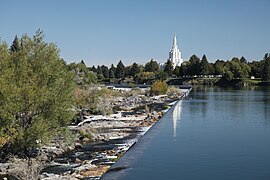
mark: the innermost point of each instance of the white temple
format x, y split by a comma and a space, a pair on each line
175, 54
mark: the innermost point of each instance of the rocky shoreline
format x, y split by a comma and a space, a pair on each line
102, 141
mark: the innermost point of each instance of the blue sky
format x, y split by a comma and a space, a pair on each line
105, 31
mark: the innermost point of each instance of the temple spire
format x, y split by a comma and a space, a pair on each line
175, 54
174, 42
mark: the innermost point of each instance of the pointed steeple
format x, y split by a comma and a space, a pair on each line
175, 54
174, 42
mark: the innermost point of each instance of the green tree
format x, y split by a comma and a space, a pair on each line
168, 68
183, 71
151, 66
135, 69
204, 66
219, 66
111, 73
144, 77
100, 73
36, 93
120, 70
105, 71
257, 68
243, 60
159, 87
239, 69
161, 75
266, 67
93, 68
177, 70
83, 75
15, 45
194, 66
228, 75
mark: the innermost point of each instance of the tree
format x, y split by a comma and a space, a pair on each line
135, 69
151, 66
113, 68
257, 68
204, 66
120, 70
105, 71
100, 73
111, 73
93, 68
144, 77
219, 67
83, 75
168, 68
266, 67
194, 67
159, 87
15, 45
228, 75
243, 60
161, 75
238, 68
36, 94
177, 70
183, 71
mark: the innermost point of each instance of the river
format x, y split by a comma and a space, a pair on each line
219, 133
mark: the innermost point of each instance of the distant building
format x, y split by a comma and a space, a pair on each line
175, 54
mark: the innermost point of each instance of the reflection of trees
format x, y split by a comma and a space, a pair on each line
266, 102
199, 104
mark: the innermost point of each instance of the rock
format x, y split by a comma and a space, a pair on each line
95, 171
77, 160
81, 138
78, 145
86, 140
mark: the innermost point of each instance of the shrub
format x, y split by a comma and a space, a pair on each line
159, 87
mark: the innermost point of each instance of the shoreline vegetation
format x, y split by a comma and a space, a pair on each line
75, 121
100, 139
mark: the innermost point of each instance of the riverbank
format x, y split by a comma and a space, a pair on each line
102, 139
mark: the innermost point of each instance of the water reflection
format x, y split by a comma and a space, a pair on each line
176, 116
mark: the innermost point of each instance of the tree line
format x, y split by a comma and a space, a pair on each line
236, 68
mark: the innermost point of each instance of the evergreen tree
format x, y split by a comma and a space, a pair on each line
183, 70
113, 68
135, 69
176, 71
204, 66
82, 62
257, 68
94, 69
168, 68
266, 67
120, 70
15, 44
243, 60
194, 66
111, 73
105, 71
151, 66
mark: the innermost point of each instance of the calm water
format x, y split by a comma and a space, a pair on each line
217, 134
